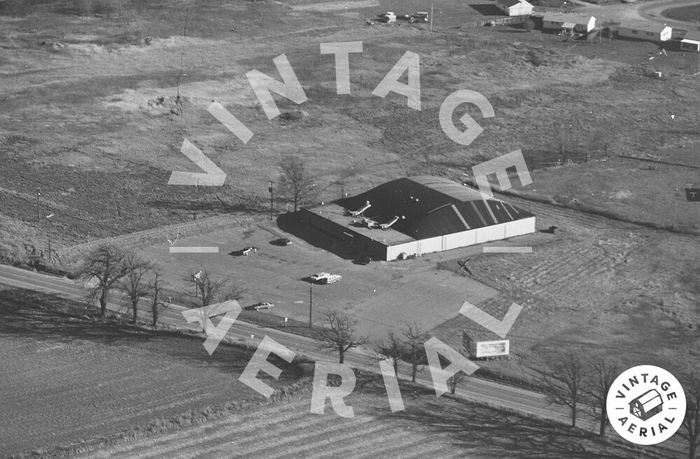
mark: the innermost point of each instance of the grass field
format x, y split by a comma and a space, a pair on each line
67, 380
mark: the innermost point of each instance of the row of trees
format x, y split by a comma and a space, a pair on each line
574, 380
109, 267
568, 379
571, 380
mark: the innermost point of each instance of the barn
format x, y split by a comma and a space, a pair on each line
647, 405
413, 216
515, 7
645, 31
568, 23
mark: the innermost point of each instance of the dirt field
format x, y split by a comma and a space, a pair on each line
438, 428
65, 380
82, 110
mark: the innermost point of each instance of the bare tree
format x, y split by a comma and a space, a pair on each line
106, 265
340, 333
691, 422
454, 381
563, 381
156, 303
393, 348
296, 180
602, 375
134, 283
211, 289
414, 341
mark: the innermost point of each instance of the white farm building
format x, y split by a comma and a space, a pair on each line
515, 7
645, 31
688, 44
568, 23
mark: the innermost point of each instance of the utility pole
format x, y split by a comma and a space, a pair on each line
271, 201
311, 300
48, 232
431, 17
38, 216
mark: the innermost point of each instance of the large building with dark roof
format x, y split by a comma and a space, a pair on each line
417, 215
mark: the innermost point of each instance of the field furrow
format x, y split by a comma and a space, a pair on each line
231, 426
305, 440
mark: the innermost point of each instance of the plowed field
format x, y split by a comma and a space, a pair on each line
66, 379
428, 428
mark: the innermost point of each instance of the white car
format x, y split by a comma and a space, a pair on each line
331, 279
261, 305
325, 278
319, 276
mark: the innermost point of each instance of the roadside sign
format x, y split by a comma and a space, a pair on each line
692, 192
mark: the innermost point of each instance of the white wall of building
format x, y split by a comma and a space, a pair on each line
463, 239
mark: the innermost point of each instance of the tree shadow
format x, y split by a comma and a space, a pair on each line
290, 223
43, 317
470, 426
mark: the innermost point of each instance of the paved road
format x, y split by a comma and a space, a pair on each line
652, 12
474, 389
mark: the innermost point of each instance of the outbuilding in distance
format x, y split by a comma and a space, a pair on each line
413, 216
644, 31
515, 7
689, 44
568, 23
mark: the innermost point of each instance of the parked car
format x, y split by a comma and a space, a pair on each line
363, 260
249, 250
331, 279
319, 277
260, 306
325, 278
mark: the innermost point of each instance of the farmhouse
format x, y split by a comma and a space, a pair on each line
647, 405
645, 31
414, 216
515, 7
568, 23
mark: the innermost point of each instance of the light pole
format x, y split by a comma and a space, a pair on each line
38, 216
311, 300
271, 200
48, 232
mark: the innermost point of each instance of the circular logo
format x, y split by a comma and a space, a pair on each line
646, 405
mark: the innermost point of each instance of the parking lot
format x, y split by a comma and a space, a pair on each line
381, 295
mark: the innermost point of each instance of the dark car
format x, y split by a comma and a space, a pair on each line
260, 306
282, 241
